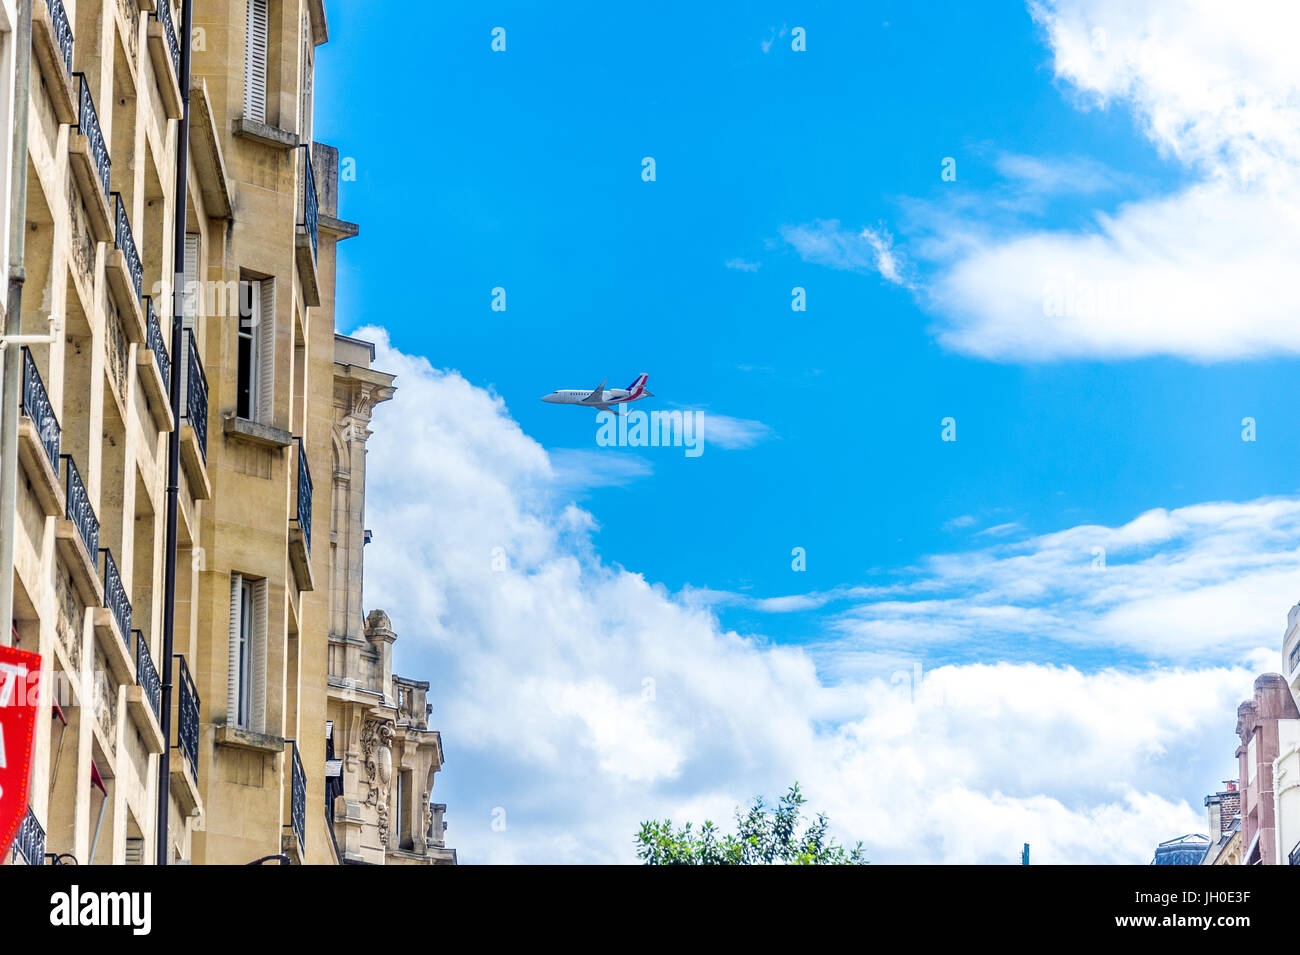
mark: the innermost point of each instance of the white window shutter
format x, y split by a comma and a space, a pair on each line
266, 355
192, 290
255, 63
232, 682
257, 670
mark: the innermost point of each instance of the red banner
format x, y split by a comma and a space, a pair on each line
20, 681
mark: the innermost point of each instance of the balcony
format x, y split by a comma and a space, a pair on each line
38, 439
29, 842
298, 800
144, 700
115, 598
165, 52
113, 622
155, 367
194, 423
1294, 857
91, 165
308, 239
52, 48
300, 533
77, 535
126, 274
185, 771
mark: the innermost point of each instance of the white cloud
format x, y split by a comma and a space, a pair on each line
580, 698
1202, 273
731, 434
1197, 584
578, 469
740, 265
826, 242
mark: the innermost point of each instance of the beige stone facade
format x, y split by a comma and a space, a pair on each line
259, 586
382, 754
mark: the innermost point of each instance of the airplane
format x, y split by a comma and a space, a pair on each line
601, 398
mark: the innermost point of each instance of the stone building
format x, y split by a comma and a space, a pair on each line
1265, 723
259, 440
95, 418
383, 756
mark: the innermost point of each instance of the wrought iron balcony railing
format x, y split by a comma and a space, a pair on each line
187, 716
304, 495
146, 674
157, 344
164, 16
115, 598
36, 405
1294, 857
62, 31
298, 800
78, 508
196, 396
310, 208
125, 241
88, 126
29, 842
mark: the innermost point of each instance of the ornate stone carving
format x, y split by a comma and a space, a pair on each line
377, 748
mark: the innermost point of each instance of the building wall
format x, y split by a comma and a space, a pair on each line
239, 488
1258, 727
105, 390
381, 806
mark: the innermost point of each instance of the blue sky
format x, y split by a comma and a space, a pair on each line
522, 169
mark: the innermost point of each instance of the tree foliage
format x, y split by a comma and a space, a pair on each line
764, 836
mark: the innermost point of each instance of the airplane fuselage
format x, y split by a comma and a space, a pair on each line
600, 398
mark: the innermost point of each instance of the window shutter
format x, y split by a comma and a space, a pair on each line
266, 354
232, 682
255, 43
190, 303
257, 669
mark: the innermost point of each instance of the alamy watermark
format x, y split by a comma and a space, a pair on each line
652, 429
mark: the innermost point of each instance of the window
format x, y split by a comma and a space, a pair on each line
404, 840
1251, 758
255, 391
246, 690
256, 31
192, 290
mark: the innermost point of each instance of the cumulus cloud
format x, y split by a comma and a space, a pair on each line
576, 698
1202, 273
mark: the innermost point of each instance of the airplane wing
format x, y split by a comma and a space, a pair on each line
597, 397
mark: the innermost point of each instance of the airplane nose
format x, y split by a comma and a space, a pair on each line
550, 398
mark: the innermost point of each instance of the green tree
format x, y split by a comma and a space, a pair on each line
764, 836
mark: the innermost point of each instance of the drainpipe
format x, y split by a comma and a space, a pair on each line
10, 374
174, 439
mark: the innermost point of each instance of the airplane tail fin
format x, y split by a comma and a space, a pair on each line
638, 386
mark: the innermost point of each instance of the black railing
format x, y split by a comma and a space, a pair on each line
196, 396
164, 16
187, 713
310, 209
125, 241
115, 598
36, 405
78, 508
146, 674
29, 841
62, 31
88, 126
304, 495
298, 800
1294, 857
157, 345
